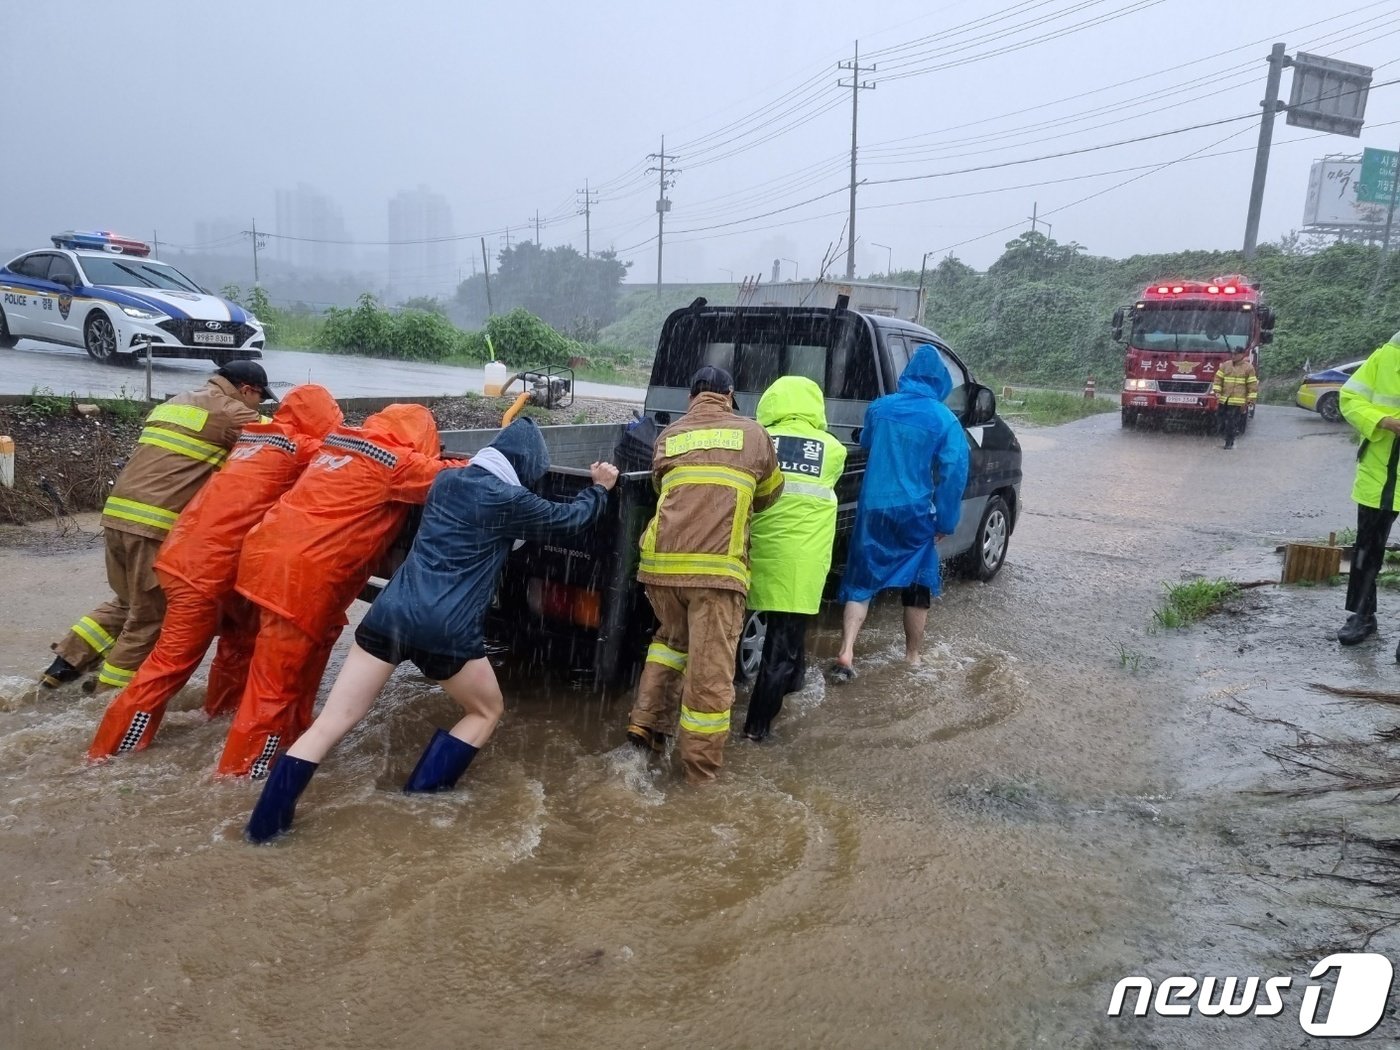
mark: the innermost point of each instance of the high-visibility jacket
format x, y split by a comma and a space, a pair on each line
313, 551
203, 547
791, 542
1370, 395
1236, 384
182, 443
713, 470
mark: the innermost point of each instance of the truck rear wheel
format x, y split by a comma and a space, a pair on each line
750, 653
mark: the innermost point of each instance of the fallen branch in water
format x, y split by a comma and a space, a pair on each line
1357, 694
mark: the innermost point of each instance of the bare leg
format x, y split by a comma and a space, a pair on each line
475, 688
914, 623
852, 619
355, 690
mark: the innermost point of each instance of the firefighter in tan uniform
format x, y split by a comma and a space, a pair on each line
713, 470
1236, 390
181, 445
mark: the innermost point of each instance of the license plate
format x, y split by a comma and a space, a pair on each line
214, 338
1181, 399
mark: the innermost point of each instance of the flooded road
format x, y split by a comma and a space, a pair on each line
63, 370
970, 854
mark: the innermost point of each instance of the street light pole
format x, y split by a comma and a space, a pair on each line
794, 267
889, 256
730, 272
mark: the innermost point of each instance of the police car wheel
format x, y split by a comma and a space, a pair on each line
750, 653
6, 339
100, 338
1329, 408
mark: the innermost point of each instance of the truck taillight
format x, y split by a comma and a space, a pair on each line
1230, 289
559, 601
1163, 290
1214, 289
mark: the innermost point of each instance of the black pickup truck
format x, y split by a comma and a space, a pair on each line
578, 605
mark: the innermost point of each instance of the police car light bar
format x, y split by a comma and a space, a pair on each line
100, 241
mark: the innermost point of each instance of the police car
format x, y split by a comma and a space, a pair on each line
106, 294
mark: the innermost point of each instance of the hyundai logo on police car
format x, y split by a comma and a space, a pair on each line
213, 324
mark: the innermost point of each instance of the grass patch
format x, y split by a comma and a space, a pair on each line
1052, 407
1129, 659
46, 403
1185, 603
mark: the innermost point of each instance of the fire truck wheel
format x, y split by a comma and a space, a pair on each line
1129, 418
1329, 408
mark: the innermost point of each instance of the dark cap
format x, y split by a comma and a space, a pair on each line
247, 373
711, 379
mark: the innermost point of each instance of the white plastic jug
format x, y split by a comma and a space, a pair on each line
496, 375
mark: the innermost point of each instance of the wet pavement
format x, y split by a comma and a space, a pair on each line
970, 854
63, 370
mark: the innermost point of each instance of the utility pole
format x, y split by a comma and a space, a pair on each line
662, 204
254, 234
155, 244
589, 199
486, 269
538, 242
1034, 216
1271, 105
507, 238
856, 88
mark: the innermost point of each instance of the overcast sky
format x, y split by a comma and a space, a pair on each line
157, 114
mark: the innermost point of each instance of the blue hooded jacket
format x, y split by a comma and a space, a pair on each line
437, 601
914, 482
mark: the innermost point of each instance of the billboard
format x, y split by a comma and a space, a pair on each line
1333, 198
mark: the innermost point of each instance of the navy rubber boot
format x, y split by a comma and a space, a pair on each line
442, 763
278, 802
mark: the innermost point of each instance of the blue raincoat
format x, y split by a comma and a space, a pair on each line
913, 485
437, 601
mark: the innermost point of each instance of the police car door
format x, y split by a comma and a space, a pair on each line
61, 319
22, 300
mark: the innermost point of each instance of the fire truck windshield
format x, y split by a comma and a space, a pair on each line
1188, 328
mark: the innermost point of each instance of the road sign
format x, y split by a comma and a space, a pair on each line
1332, 197
1377, 178
1328, 94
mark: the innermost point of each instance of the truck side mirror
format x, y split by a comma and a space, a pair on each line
982, 405
1117, 328
1266, 336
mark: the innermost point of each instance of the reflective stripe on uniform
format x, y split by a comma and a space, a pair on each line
191, 417
806, 488
141, 513
114, 675
1355, 386
693, 440
705, 722
663, 654
707, 475
769, 483
194, 448
92, 632
664, 564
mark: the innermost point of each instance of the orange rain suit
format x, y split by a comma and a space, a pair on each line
310, 557
198, 566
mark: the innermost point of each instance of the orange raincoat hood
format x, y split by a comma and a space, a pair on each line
309, 410
409, 425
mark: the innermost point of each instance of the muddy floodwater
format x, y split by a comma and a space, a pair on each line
970, 854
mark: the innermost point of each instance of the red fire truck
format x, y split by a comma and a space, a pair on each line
1179, 333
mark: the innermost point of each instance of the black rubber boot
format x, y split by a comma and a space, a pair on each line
60, 672
442, 763
278, 802
1357, 629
